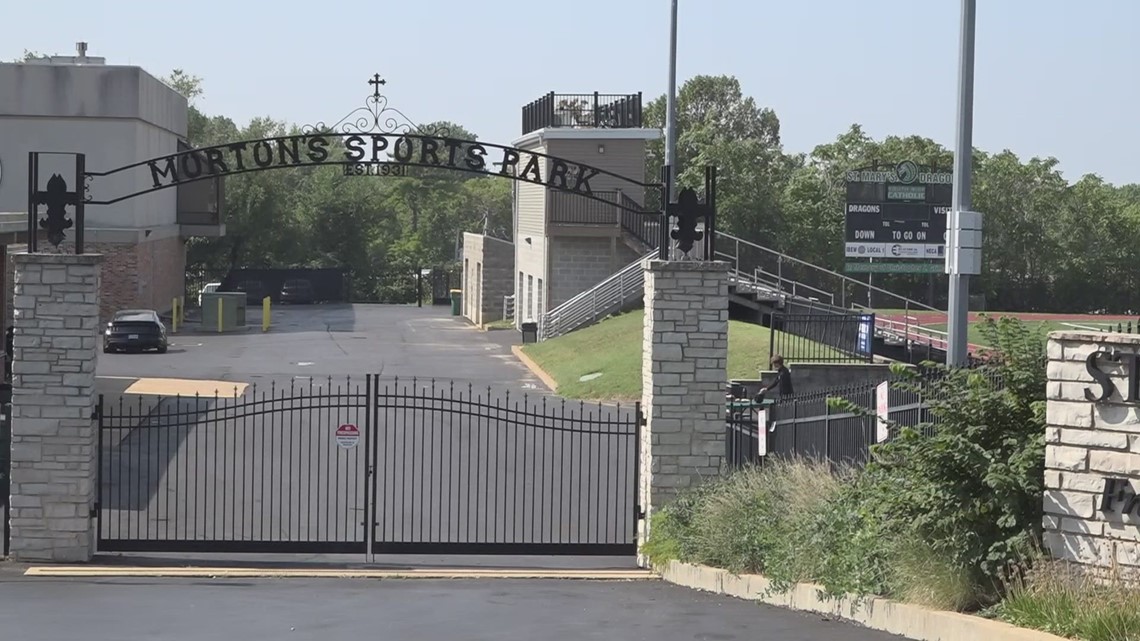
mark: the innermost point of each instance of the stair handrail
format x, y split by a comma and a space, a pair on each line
722, 236
607, 296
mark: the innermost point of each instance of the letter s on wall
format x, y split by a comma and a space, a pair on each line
1106, 385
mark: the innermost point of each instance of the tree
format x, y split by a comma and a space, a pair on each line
718, 125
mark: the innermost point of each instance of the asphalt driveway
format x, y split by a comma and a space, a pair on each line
400, 610
314, 342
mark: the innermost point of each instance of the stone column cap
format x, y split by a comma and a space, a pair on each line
1096, 337
58, 259
656, 264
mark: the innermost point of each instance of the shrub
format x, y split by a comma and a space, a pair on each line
969, 486
1061, 600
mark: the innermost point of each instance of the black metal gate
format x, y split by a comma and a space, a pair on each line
433, 467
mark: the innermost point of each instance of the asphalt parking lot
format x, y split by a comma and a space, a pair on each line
311, 343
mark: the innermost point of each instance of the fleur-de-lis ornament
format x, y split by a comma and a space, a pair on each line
688, 210
56, 197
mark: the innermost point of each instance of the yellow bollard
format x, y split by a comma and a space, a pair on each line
174, 317
219, 315
265, 314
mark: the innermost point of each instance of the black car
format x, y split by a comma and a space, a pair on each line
297, 291
254, 291
135, 329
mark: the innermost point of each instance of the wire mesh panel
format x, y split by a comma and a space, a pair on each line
462, 470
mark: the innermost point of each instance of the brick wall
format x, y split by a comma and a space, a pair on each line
1092, 447
684, 369
53, 433
148, 275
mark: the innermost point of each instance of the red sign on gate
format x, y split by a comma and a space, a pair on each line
347, 436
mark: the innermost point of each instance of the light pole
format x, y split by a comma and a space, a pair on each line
963, 226
671, 115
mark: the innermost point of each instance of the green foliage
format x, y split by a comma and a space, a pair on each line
942, 515
1067, 602
384, 230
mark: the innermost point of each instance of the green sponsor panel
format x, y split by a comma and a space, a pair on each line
894, 268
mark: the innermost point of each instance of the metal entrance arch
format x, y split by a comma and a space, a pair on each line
372, 140
368, 466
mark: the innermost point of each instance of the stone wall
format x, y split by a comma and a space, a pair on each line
1092, 455
684, 365
53, 429
488, 266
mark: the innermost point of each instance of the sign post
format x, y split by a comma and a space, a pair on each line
963, 227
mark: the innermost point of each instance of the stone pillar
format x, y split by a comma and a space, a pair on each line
684, 371
1092, 450
53, 432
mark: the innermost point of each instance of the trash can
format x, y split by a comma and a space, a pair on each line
529, 332
456, 301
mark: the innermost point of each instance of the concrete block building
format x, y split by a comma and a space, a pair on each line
563, 243
115, 115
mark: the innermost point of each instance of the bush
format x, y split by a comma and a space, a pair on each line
745, 520
940, 516
1061, 600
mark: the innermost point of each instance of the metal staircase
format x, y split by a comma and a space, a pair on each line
758, 276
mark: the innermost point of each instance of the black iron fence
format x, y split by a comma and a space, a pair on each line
574, 210
807, 426
367, 465
615, 111
823, 338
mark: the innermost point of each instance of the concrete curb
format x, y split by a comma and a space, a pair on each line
534, 368
911, 621
82, 571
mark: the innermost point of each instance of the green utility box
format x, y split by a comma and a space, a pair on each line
223, 311
456, 301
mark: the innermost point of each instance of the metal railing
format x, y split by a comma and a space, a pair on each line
907, 319
806, 426
509, 307
612, 111
614, 294
823, 338
572, 209
645, 228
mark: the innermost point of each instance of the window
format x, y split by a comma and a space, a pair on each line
530, 298
540, 297
519, 301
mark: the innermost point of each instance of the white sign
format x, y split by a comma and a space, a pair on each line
893, 250
762, 432
882, 411
347, 436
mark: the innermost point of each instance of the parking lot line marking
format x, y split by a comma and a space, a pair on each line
186, 387
318, 573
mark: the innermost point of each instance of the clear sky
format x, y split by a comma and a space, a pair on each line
1054, 77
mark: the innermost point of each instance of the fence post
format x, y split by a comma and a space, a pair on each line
826, 430
594, 305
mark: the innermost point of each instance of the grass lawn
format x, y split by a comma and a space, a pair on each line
613, 349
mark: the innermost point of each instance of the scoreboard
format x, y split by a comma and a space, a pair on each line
897, 212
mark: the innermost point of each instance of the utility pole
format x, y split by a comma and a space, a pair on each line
963, 226
671, 116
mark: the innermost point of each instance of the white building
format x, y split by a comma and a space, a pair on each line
117, 116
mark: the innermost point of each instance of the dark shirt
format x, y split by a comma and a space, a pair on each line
783, 381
